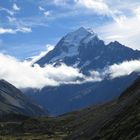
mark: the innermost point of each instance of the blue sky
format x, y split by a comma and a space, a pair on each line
27, 26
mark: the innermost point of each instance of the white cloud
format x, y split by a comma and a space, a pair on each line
47, 13
118, 70
14, 31
123, 69
98, 6
114, 37
102, 7
7, 11
124, 25
15, 7
7, 31
137, 12
23, 75
126, 31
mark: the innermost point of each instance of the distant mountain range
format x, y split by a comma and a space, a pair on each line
84, 50
12, 100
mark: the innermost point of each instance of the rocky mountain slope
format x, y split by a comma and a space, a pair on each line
12, 100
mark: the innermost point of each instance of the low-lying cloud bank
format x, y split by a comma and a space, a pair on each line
24, 75
123, 69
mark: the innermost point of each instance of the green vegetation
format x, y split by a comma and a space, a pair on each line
32, 129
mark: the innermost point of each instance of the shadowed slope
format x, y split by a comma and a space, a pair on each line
12, 100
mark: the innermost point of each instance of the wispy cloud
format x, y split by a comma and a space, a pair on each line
98, 6
14, 31
10, 12
24, 29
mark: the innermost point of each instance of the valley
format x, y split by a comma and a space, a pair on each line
112, 120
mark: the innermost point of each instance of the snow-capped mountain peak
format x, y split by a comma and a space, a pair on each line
77, 36
83, 49
69, 45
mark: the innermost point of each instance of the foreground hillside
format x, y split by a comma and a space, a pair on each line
115, 120
12, 100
